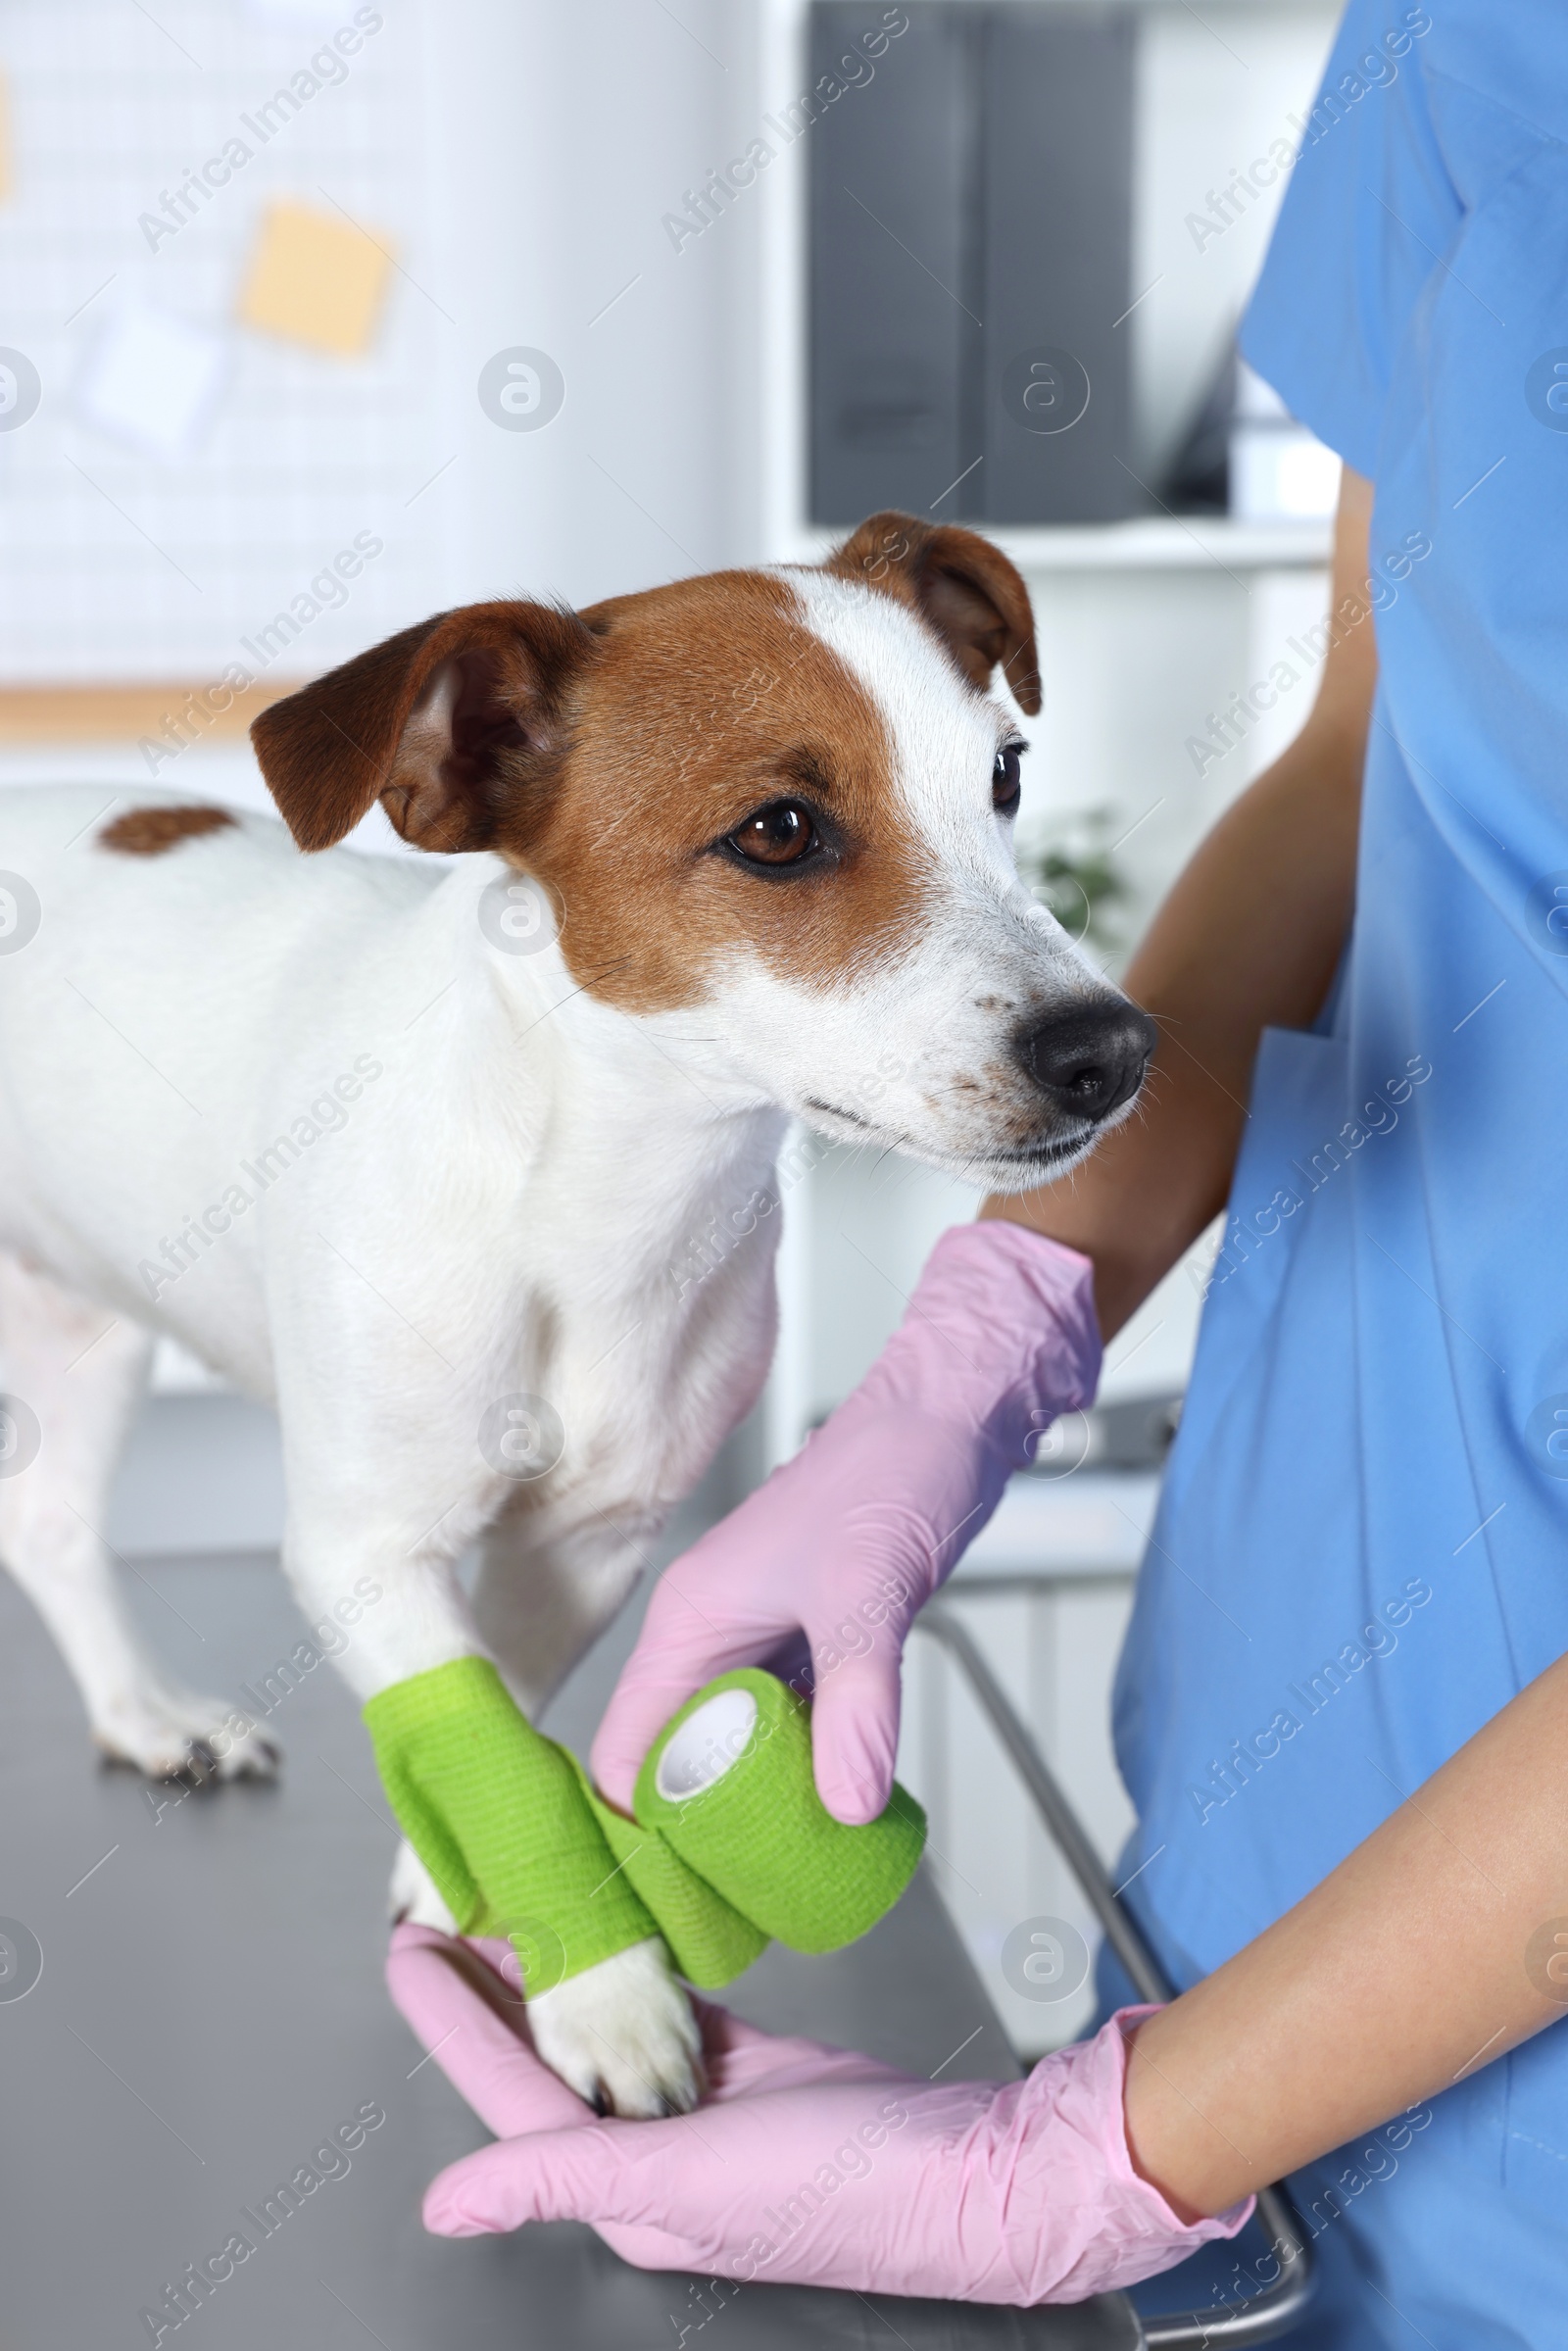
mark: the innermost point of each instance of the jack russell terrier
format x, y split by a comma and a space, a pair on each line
408, 1148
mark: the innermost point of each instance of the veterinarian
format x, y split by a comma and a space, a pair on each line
1342, 1707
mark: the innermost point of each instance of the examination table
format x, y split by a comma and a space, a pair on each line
209, 2014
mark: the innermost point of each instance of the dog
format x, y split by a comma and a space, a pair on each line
418, 1150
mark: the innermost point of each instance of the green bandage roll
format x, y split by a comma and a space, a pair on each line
731, 1845
728, 1786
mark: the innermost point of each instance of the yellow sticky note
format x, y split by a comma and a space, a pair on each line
316, 279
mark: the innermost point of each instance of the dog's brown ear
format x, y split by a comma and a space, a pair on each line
960, 585
446, 724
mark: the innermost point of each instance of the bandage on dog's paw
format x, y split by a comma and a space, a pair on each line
731, 1845
499, 1816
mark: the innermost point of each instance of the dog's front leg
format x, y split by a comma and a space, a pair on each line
623, 2031
378, 1560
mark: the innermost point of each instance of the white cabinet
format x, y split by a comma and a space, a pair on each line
1045, 1593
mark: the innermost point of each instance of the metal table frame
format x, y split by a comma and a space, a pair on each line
1277, 2307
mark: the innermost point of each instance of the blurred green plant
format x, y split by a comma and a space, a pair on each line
1074, 874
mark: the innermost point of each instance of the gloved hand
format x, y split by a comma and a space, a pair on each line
844, 1543
806, 2164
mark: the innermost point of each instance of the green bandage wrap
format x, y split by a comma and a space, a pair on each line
732, 1845
709, 1941
498, 1816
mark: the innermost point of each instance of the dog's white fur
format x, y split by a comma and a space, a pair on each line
497, 1213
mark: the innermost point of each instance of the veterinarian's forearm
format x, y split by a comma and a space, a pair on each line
1247, 939
1421, 1957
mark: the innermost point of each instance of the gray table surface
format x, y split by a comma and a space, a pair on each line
210, 2008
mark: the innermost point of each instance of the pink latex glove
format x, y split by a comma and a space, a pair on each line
804, 2164
846, 1543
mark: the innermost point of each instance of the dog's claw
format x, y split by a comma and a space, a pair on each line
198, 1770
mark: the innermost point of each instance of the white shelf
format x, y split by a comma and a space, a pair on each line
1161, 543
1151, 543
1096, 1523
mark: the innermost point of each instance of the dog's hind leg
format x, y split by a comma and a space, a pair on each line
74, 1377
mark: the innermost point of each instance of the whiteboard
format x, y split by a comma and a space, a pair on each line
121, 561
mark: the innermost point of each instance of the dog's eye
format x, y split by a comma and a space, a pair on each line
1006, 784
781, 834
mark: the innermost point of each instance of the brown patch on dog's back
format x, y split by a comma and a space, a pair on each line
148, 832
709, 699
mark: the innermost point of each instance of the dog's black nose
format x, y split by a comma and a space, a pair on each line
1088, 1062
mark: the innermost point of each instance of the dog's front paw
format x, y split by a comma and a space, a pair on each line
170, 1736
623, 2035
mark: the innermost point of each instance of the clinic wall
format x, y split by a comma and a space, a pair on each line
560, 138
1215, 90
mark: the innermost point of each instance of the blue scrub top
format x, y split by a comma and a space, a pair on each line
1361, 1552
